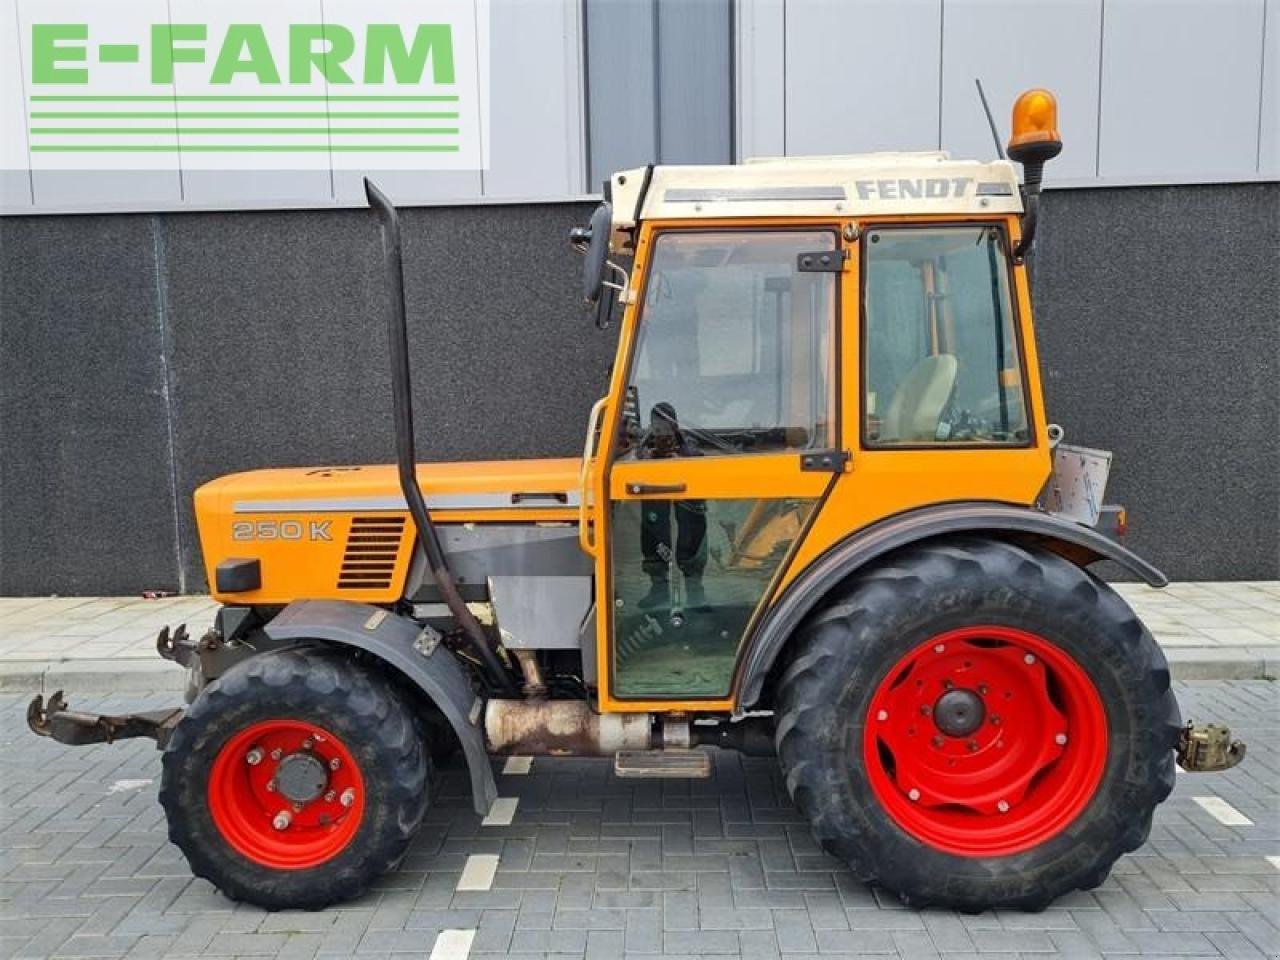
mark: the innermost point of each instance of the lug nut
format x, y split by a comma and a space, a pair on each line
937, 741
924, 710
913, 793
995, 719
939, 648
282, 820
297, 808
973, 746
271, 786
308, 743
1003, 806
1060, 739
1029, 659
882, 716
276, 754
348, 797
328, 797
335, 763
982, 689
254, 756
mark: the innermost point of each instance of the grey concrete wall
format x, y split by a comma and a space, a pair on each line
142, 355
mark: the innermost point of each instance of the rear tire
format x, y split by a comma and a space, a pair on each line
977, 815
311, 734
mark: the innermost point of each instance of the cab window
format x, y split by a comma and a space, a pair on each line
734, 348
941, 353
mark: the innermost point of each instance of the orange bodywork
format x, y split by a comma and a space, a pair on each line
875, 483
263, 502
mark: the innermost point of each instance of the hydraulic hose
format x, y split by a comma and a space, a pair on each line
406, 457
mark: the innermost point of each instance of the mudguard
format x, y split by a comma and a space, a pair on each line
1080, 544
391, 638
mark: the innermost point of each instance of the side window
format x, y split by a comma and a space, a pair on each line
941, 358
734, 349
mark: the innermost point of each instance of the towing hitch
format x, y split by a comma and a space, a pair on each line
53, 719
1207, 748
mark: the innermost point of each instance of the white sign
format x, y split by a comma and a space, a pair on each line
234, 84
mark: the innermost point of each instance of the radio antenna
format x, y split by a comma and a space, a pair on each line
986, 108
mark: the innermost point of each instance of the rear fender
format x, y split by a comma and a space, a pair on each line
1080, 544
391, 638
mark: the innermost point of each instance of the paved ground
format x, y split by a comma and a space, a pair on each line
594, 867
107, 644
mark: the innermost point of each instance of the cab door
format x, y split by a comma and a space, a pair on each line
721, 438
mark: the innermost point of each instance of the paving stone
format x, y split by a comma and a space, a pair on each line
597, 867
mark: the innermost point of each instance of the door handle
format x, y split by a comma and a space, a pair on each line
639, 489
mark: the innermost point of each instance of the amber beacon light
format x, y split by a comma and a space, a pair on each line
1035, 128
1034, 141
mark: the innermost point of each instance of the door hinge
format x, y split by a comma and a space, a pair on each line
821, 261
824, 461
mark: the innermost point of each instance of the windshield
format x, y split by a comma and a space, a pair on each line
733, 354
941, 359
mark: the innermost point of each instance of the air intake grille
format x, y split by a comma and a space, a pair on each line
370, 558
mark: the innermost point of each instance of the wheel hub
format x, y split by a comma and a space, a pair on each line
286, 794
959, 712
985, 740
301, 777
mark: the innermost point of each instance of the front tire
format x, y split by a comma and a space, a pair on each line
976, 724
295, 779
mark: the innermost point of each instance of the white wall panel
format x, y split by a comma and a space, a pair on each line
1013, 45
761, 75
862, 75
536, 119
1269, 113
15, 178
140, 178
230, 178
1180, 86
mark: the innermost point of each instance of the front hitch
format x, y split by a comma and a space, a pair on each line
1207, 748
53, 719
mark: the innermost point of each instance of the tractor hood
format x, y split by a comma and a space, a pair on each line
344, 531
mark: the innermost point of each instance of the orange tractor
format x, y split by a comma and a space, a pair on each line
820, 512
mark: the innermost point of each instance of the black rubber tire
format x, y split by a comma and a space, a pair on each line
843, 652
359, 706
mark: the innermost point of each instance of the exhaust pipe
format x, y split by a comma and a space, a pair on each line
406, 458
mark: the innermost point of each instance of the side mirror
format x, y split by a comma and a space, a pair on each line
593, 242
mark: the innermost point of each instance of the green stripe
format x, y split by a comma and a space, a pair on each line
247, 131
118, 53
236, 115
169, 98
245, 148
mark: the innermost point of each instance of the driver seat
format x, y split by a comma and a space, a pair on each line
917, 405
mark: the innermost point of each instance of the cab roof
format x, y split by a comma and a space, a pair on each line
871, 184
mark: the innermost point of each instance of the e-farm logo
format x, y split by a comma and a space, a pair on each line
358, 84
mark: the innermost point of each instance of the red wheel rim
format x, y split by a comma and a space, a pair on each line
1012, 755
286, 794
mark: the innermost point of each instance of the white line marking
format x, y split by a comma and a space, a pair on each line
478, 872
121, 785
517, 766
501, 813
1274, 861
1223, 812
453, 945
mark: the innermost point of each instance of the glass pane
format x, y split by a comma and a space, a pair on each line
687, 576
942, 360
733, 354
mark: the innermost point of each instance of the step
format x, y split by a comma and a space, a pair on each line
662, 764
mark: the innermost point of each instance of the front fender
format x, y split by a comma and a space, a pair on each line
390, 638
1080, 544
